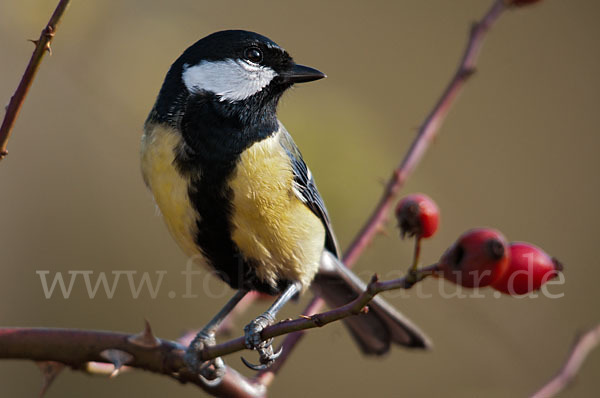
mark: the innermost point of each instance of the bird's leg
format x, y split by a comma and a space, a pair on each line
253, 330
213, 370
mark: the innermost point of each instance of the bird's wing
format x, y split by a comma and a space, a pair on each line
306, 190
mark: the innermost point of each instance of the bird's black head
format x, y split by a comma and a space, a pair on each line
239, 73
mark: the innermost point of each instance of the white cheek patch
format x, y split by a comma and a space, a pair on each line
231, 80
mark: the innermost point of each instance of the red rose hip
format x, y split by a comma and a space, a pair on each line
478, 258
417, 215
529, 268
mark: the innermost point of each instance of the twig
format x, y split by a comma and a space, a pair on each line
424, 137
581, 349
77, 348
318, 320
42, 45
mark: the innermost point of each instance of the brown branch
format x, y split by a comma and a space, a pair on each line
355, 307
425, 136
579, 352
77, 348
42, 45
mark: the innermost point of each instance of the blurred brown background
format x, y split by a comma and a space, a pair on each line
518, 152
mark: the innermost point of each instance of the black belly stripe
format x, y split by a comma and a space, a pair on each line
212, 202
213, 144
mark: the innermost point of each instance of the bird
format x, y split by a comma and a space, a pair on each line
234, 190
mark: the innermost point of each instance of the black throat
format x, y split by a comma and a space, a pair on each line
215, 132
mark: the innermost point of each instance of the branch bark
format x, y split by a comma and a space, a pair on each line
77, 348
425, 136
42, 45
581, 349
355, 307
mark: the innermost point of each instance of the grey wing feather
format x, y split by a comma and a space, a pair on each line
383, 324
306, 189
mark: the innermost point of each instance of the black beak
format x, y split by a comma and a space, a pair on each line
302, 74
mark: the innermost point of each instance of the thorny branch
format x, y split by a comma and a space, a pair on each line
580, 350
77, 348
42, 45
355, 307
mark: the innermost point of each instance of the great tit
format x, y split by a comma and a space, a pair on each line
234, 190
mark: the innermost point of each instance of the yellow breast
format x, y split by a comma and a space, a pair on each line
169, 187
271, 225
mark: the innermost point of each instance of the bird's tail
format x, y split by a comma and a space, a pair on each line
376, 330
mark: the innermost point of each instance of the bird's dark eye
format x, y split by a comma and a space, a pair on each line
253, 54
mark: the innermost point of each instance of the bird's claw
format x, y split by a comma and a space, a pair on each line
253, 341
252, 331
212, 371
267, 357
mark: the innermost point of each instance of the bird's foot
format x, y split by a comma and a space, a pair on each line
213, 370
254, 341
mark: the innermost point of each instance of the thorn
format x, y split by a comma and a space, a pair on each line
49, 31
99, 368
46, 46
474, 27
381, 229
467, 72
118, 358
145, 338
50, 370
304, 316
